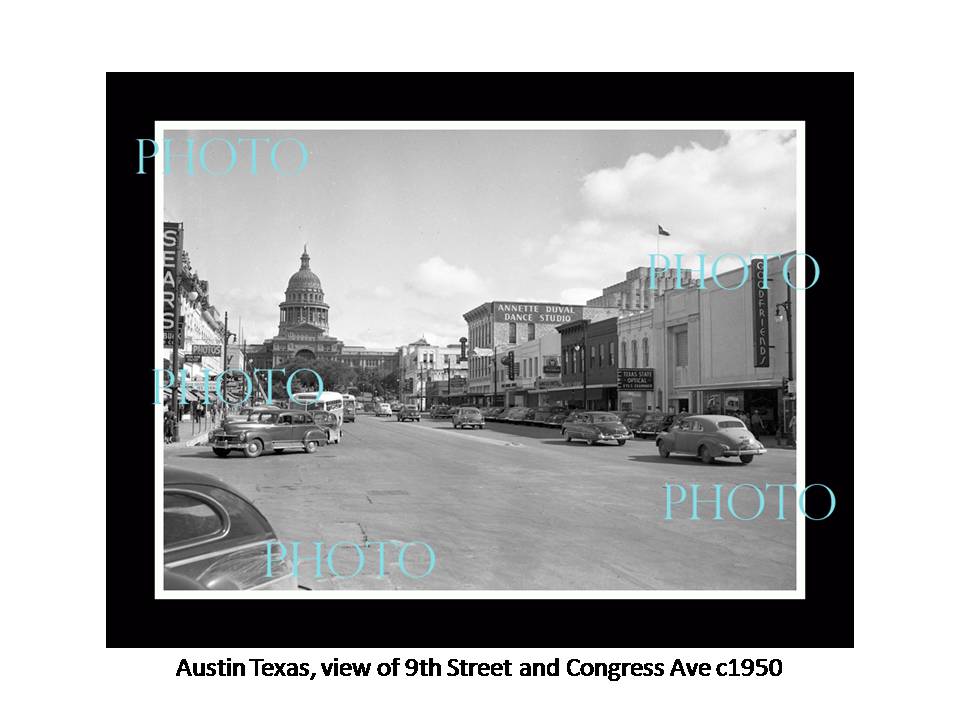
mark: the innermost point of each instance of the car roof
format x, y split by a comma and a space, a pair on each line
711, 418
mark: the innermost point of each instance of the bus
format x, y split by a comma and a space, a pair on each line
349, 408
329, 401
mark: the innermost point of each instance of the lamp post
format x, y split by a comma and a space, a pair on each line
785, 309
226, 338
582, 350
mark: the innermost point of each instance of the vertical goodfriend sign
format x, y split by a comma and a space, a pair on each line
761, 315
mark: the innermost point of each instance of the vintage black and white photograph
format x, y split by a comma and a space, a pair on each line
468, 359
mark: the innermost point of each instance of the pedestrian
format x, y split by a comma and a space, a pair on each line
756, 423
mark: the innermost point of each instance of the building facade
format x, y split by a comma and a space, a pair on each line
494, 328
536, 369
431, 374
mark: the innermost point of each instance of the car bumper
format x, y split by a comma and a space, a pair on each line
622, 436
746, 451
227, 444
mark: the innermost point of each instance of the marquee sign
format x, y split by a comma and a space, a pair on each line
635, 378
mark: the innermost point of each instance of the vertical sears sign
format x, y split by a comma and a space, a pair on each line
761, 315
172, 251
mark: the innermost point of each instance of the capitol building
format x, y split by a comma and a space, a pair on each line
303, 333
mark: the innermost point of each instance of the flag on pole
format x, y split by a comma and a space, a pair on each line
661, 231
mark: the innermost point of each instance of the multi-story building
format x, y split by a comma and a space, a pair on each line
536, 369
637, 291
588, 365
493, 328
431, 373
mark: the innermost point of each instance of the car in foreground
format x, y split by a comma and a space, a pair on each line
409, 412
594, 427
268, 430
384, 409
710, 437
215, 539
467, 417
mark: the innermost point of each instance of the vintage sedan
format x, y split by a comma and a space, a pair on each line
632, 420
329, 422
594, 427
467, 417
709, 437
215, 539
409, 412
268, 430
654, 423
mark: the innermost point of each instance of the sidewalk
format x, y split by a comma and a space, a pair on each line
193, 433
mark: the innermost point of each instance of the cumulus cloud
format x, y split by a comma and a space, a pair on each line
737, 198
438, 278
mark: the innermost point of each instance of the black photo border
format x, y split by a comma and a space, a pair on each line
134, 101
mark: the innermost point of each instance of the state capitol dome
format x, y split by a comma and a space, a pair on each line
305, 278
303, 300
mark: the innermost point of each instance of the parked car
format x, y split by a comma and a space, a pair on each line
467, 417
369, 407
275, 430
528, 416
541, 416
384, 409
440, 411
655, 422
594, 427
556, 420
709, 437
514, 414
493, 412
632, 420
409, 412
395, 407
215, 539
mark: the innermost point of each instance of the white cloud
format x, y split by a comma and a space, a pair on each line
737, 198
382, 292
438, 278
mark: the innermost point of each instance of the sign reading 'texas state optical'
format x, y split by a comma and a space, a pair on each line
504, 311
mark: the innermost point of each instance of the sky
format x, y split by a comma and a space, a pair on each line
408, 230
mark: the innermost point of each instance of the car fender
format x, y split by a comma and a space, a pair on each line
319, 435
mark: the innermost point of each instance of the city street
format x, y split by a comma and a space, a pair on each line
515, 508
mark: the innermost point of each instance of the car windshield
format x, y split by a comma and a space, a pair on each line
470, 411
603, 417
731, 424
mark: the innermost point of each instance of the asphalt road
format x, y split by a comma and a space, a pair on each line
514, 508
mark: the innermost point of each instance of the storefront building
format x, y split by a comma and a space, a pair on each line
717, 350
494, 328
431, 374
536, 368
588, 366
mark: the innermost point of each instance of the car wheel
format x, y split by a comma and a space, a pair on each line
664, 453
253, 449
311, 446
221, 452
591, 442
621, 442
279, 450
566, 437
705, 457
746, 459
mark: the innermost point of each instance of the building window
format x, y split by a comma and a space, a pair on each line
623, 353
593, 349
565, 351
536, 366
633, 351
681, 347
531, 331
646, 352
513, 333
600, 364
613, 353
